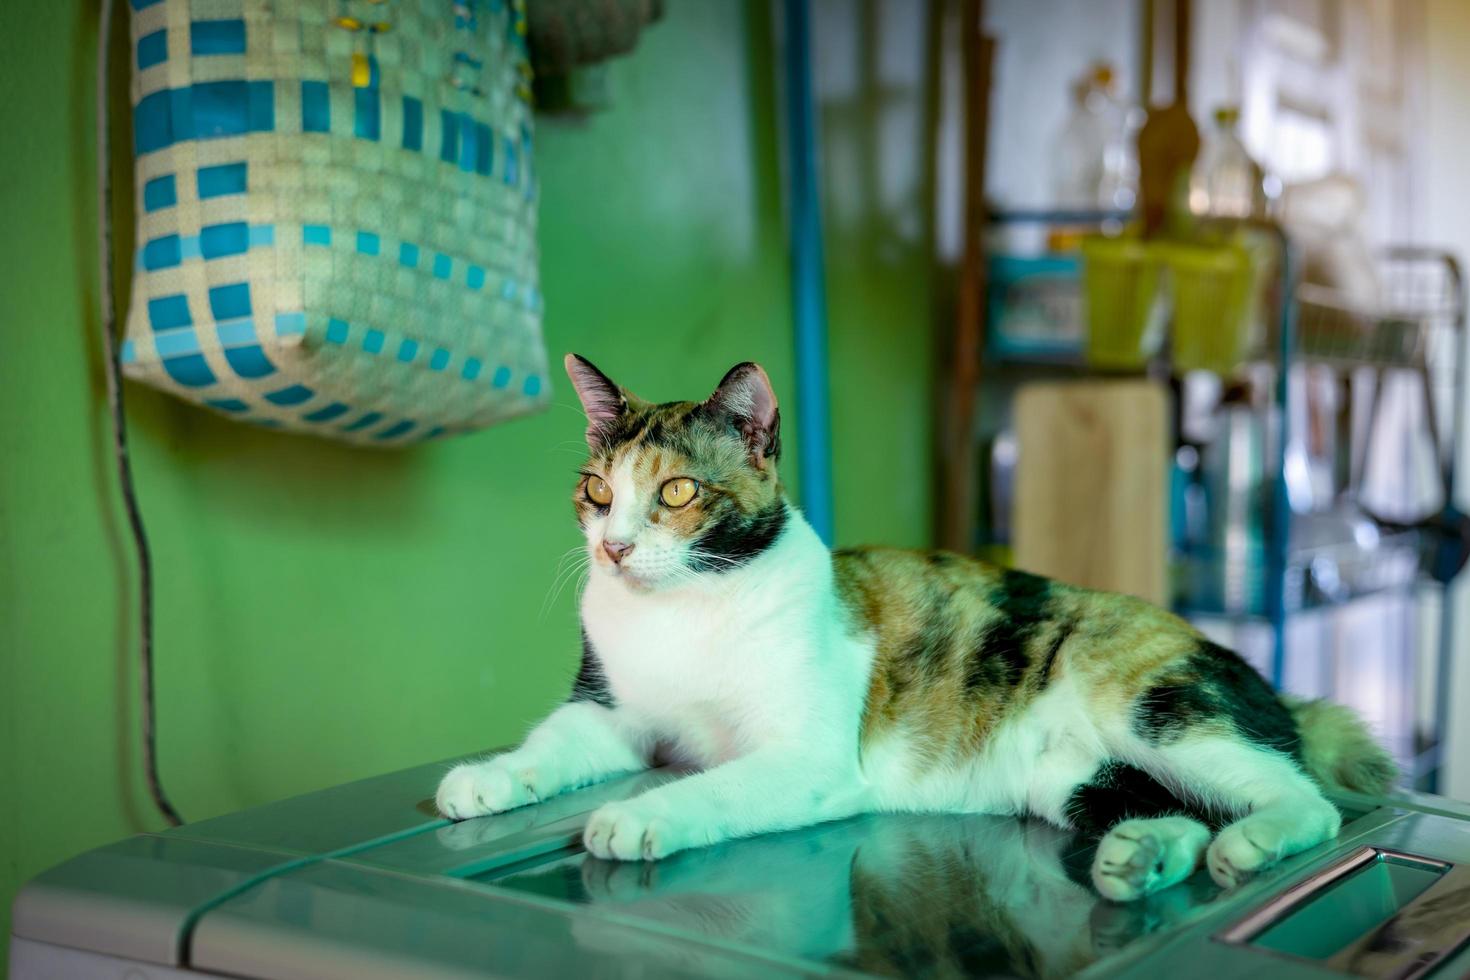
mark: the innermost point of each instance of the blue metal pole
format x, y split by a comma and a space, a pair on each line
808, 287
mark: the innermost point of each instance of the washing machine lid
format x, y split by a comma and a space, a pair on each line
515, 895
139, 898
134, 898
364, 880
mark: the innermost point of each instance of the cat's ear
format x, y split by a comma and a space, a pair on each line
603, 401
745, 398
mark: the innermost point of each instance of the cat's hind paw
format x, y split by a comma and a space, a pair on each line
1234, 857
1126, 865
1261, 839
1140, 857
475, 789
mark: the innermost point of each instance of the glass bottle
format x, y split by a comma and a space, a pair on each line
1226, 182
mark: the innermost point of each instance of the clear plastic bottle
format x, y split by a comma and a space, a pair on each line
1077, 153
1119, 122
1094, 160
1094, 157
1226, 182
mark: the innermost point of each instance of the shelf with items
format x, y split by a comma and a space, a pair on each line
1112, 302
1037, 301
1223, 304
1224, 583
1293, 549
1405, 316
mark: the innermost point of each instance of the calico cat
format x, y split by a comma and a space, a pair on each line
810, 685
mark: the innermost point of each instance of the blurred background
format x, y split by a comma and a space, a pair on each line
1148, 298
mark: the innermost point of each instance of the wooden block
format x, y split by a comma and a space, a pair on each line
1092, 481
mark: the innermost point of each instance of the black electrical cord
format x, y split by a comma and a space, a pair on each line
113, 372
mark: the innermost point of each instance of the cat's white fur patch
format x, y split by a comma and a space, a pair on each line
1031, 764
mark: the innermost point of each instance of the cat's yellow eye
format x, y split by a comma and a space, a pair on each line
678, 492
598, 491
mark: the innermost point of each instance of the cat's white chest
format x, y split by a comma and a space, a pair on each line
716, 672
686, 669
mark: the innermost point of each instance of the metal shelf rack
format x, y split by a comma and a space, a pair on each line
1417, 326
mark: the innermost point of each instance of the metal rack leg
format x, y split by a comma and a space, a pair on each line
1444, 674
1279, 540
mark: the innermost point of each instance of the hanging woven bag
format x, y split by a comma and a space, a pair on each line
336, 214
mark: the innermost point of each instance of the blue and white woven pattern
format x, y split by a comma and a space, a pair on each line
336, 214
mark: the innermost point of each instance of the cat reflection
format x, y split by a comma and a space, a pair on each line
929, 896
1417, 935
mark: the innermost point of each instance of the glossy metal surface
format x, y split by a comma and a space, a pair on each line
474, 847
1407, 939
331, 819
899, 895
364, 880
138, 898
1443, 910
132, 898
880, 895
339, 920
1416, 940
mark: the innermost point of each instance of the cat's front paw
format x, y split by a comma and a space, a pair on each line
475, 789
628, 832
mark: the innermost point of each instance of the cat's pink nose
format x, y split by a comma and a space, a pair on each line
616, 550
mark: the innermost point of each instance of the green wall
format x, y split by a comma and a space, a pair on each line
326, 613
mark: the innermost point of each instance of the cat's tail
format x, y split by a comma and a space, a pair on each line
1338, 750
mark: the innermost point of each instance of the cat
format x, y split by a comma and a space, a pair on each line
809, 685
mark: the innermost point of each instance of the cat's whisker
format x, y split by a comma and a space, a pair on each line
707, 584
574, 446
708, 556
574, 568
569, 555
686, 575
574, 409
573, 561
575, 572
570, 552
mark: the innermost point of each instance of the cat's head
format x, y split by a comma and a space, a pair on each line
674, 493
